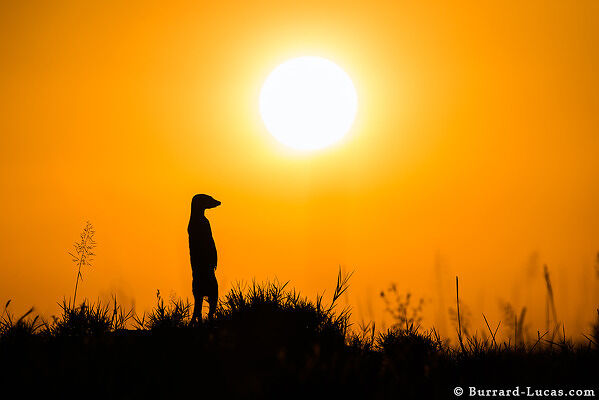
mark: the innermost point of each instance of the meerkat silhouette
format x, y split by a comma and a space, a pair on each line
202, 254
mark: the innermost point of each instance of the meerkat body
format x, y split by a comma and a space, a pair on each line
202, 255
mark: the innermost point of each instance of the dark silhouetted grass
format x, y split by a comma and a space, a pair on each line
269, 341
89, 319
176, 314
12, 328
82, 254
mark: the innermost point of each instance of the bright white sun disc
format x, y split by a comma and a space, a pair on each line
308, 103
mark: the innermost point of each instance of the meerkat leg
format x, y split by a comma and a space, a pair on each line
213, 301
197, 310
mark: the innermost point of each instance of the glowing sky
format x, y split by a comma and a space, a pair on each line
475, 147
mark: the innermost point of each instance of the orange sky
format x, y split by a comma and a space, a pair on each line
475, 146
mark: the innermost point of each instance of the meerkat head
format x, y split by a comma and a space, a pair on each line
203, 201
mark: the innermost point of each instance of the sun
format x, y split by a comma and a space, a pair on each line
308, 103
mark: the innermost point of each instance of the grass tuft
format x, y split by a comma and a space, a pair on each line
175, 314
89, 319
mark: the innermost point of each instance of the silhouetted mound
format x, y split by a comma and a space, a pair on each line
266, 341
